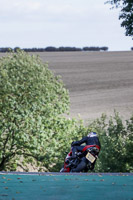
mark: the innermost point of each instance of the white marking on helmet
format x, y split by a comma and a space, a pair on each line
92, 134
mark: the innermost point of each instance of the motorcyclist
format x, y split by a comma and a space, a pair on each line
90, 139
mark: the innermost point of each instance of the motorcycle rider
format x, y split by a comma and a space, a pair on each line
90, 139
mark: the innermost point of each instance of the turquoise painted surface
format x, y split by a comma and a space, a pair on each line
66, 186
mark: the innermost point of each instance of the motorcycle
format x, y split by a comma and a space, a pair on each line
89, 155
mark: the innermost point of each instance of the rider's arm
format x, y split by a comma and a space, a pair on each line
83, 140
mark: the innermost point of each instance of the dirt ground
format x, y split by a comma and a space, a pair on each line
98, 82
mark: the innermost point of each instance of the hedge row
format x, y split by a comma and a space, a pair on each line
53, 49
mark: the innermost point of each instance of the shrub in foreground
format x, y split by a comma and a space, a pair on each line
31, 99
116, 138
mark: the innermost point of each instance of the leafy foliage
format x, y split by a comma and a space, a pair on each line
116, 139
126, 14
31, 98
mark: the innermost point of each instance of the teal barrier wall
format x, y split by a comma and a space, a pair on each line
57, 186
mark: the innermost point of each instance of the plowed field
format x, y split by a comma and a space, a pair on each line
98, 82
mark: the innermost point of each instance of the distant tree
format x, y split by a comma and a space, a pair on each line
91, 49
53, 49
33, 49
69, 49
50, 49
5, 49
126, 14
95, 48
104, 48
16, 49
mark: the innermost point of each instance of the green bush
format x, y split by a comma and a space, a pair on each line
116, 138
31, 101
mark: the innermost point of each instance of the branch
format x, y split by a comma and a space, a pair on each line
19, 165
30, 155
6, 159
4, 145
37, 157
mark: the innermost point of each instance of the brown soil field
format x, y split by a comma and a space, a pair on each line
98, 82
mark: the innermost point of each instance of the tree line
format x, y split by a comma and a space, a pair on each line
53, 49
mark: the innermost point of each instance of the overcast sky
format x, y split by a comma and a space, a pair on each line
78, 23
